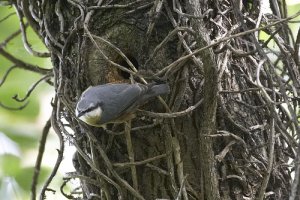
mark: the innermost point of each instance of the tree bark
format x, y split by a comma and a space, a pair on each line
234, 144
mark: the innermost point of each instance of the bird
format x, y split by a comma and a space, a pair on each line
115, 102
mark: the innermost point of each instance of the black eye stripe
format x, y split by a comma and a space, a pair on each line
92, 108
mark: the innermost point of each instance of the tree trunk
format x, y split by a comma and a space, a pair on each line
234, 145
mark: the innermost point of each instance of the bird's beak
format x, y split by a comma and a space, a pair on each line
78, 114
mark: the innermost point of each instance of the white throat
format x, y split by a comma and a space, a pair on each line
93, 117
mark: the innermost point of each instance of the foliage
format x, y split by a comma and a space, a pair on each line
19, 129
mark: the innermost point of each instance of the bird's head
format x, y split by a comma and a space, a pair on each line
89, 111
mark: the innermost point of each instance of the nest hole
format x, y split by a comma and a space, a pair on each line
124, 74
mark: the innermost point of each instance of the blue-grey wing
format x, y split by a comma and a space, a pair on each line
120, 99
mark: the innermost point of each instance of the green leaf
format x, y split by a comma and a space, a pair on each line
24, 177
22, 136
10, 164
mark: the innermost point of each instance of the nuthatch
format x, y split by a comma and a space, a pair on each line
115, 103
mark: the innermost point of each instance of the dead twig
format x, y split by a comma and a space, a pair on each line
24, 37
14, 108
183, 58
220, 157
264, 184
31, 89
39, 159
128, 5
171, 115
223, 133
21, 64
54, 123
130, 152
6, 74
6, 17
143, 162
10, 37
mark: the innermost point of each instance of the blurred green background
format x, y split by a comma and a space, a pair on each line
20, 131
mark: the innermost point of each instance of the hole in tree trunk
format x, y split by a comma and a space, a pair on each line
124, 74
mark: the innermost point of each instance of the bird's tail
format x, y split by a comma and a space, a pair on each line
153, 90
160, 89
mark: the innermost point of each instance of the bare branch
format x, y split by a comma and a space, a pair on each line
31, 89
24, 37
220, 157
264, 184
54, 122
115, 5
296, 181
106, 58
6, 17
140, 162
184, 58
171, 115
89, 161
21, 64
6, 74
14, 108
130, 152
223, 133
39, 159
11, 36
